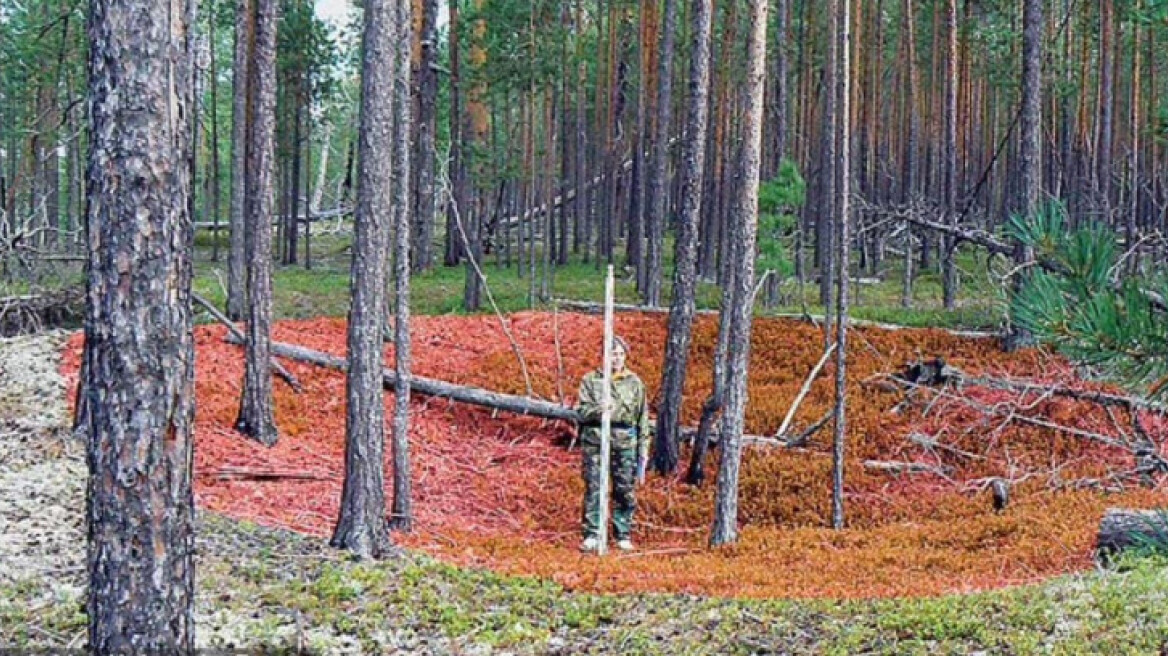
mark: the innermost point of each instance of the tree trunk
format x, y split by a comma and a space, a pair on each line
361, 526
1030, 148
658, 172
1133, 210
255, 407
139, 347
949, 155
403, 516
426, 81
840, 11
910, 157
685, 250
824, 226
298, 105
725, 529
456, 202
241, 120
213, 201
1105, 124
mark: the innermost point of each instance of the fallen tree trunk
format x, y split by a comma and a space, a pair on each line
520, 405
1123, 529
430, 387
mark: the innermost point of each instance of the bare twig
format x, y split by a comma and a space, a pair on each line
448, 191
803, 391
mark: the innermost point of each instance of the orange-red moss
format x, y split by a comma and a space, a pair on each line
504, 492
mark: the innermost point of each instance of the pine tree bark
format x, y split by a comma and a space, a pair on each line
361, 526
1105, 128
910, 157
426, 80
681, 310
403, 516
213, 179
1030, 148
725, 529
949, 155
841, 13
241, 118
455, 206
658, 186
139, 355
255, 406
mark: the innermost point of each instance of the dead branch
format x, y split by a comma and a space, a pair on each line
897, 467
782, 432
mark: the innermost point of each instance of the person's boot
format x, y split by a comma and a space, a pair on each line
625, 544
590, 543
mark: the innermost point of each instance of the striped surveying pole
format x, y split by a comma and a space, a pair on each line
606, 415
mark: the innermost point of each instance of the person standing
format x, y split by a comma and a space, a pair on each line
630, 447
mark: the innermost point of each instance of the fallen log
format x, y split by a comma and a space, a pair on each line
895, 467
1122, 529
283, 373
430, 387
520, 405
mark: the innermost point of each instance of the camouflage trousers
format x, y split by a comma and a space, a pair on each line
623, 472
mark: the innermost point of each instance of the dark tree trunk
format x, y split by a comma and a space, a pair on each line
361, 526
949, 155
241, 119
824, 226
293, 230
403, 516
1105, 127
658, 182
685, 266
1030, 149
456, 205
725, 529
139, 347
423, 172
213, 201
255, 406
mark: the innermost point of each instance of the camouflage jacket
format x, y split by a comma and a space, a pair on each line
630, 416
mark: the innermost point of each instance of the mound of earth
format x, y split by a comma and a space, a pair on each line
503, 492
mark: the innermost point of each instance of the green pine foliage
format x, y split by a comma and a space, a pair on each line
779, 200
1093, 312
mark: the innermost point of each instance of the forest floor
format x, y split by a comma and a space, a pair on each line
270, 587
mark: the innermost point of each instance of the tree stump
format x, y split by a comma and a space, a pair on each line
1123, 529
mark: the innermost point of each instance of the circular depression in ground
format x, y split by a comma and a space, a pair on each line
503, 492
